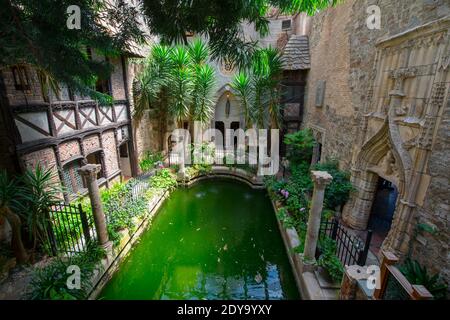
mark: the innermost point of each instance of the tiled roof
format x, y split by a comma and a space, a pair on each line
296, 53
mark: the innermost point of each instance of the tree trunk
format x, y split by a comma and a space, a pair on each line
16, 238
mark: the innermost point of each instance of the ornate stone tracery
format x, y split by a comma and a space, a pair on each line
409, 90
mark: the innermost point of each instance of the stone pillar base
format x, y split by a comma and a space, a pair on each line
307, 265
108, 247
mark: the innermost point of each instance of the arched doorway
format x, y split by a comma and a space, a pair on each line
382, 212
228, 114
382, 164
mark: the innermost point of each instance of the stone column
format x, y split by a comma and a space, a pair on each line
321, 179
89, 172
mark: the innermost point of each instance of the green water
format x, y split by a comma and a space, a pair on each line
216, 240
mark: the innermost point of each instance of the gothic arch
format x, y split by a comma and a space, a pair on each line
387, 159
379, 157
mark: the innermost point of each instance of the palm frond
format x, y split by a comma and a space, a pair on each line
204, 84
198, 51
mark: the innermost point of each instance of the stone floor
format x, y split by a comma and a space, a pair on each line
15, 286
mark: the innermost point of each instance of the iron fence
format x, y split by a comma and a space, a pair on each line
350, 249
70, 230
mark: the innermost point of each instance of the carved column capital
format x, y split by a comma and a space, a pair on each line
90, 171
321, 179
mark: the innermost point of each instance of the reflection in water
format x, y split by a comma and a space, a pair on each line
218, 246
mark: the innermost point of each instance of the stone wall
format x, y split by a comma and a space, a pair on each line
432, 249
344, 54
330, 49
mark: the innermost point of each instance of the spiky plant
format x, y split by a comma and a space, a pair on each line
44, 191
417, 274
181, 86
178, 82
242, 87
259, 88
151, 88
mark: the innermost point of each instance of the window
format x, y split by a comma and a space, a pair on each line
103, 86
123, 150
286, 25
21, 80
72, 178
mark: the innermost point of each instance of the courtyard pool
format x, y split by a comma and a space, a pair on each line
216, 240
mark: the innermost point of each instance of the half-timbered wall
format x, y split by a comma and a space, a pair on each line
65, 130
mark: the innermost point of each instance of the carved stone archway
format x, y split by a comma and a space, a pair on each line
381, 157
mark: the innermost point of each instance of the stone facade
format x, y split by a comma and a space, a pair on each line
385, 114
57, 130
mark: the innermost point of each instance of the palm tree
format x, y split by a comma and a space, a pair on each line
203, 96
181, 85
241, 85
151, 88
202, 106
258, 88
10, 193
177, 82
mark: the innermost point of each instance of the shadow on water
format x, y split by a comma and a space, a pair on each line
216, 240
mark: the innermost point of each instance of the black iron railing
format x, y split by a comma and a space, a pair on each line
350, 249
70, 229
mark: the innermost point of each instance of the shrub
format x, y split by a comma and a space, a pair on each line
329, 261
164, 180
50, 282
150, 160
121, 206
338, 191
300, 146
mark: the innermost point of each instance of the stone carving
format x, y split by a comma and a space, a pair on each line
438, 94
226, 67
399, 76
388, 164
401, 110
444, 63
425, 139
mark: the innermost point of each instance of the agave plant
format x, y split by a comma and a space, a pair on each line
417, 274
43, 192
11, 194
